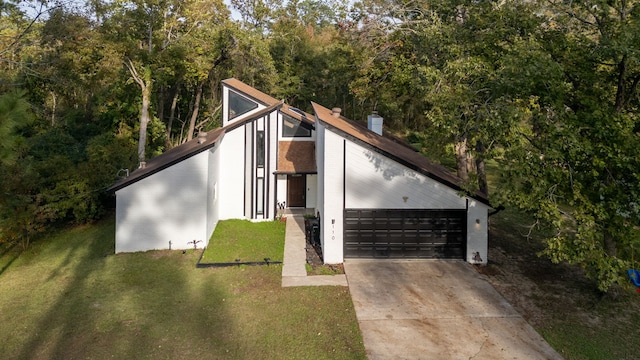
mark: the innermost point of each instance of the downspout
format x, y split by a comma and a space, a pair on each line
497, 210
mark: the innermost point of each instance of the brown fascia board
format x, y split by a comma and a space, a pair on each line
250, 92
298, 114
254, 116
391, 149
277, 172
267, 100
186, 150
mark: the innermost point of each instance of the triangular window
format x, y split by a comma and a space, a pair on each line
239, 105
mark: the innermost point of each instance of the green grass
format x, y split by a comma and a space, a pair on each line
324, 269
245, 240
69, 298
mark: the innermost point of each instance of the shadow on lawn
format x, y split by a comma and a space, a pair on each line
123, 306
6, 251
203, 264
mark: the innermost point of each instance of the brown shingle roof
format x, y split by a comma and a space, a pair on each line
296, 157
250, 91
391, 149
172, 156
186, 150
298, 114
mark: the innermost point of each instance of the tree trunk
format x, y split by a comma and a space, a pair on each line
172, 115
482, 174
621, 90
181, 138
471, 163
610, 245
145, 118
160, 103
460, 147
144, 121
196, 108
53, 108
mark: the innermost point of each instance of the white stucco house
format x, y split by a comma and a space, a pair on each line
376, 197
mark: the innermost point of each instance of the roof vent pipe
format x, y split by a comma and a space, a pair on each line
202, 137
374, 122
336, 112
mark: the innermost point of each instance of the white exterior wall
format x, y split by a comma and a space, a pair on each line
272, 161
232, 171
312, 191
320, 131
213, 191
166, 206
281, 181
477, 234
375, 181
332, 217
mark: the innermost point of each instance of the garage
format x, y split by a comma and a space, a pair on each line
405, 233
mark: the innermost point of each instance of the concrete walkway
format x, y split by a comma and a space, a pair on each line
294, 272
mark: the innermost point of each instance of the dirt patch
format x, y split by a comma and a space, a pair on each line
539, 289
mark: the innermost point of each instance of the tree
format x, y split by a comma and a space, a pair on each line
19, 214
14, 114
256, 14
550, 92
148, 31
17, 35
575, 165
434, 68
311, 55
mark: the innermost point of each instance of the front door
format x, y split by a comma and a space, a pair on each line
296, 186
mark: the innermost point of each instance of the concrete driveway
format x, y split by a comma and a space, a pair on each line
432, 309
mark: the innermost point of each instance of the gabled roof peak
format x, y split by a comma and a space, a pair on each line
250, 91
267, 100
392, 149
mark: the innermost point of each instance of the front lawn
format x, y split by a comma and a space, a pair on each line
69, 297
245, 241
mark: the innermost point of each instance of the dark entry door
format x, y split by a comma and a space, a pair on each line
405, 233
296, 190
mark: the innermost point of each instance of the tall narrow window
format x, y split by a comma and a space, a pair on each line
260, 148
239, 105
260, 196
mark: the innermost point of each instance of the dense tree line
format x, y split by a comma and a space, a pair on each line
545, 93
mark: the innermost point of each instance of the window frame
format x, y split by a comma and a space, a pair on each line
260, 148
234, 95
299, 129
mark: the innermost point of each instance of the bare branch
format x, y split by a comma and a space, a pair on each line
134, 73
26, 30
531, 227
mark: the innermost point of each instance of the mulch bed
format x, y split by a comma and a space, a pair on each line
314, 258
